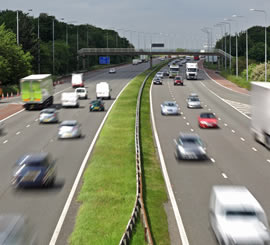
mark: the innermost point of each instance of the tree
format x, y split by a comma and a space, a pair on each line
14, 62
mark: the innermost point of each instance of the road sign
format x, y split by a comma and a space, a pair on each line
157, 45
104, 60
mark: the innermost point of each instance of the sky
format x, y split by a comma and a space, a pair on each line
177, 23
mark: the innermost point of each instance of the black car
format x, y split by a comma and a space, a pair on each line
34, 170
96, 105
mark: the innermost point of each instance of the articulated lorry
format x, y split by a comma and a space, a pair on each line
37, 91
192, 71
260, 104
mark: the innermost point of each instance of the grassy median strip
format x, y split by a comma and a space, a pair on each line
109, 183
155, 195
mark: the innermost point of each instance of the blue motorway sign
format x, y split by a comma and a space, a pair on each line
104, 60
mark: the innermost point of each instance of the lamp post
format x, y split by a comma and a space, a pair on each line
236, 46
53, 44
230, 47
222, 41
265, 50
17, 20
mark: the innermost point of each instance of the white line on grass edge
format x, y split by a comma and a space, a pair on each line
178, 218
78, 177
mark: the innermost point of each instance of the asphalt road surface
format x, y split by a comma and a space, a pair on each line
234, 157
23, 135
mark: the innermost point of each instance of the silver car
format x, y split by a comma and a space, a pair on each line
160, 75
157, 81
48, 115
193, 102
69, 129
169, 108
190, 146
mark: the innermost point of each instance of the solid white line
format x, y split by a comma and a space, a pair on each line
16, 113
5, 141
225, 101
242, 139
224, 176
233, 131
213, 160
254, 149
222, 85
18, 133
178, 218
78, 177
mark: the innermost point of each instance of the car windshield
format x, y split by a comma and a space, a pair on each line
194, 99
190, 140
48, 111
80, 90
192, 69
208, 115
177, 78
240, 213
171, 104
95, 102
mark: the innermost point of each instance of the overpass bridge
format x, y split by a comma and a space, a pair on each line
150, 52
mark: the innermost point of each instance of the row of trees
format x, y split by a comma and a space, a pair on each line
37, 52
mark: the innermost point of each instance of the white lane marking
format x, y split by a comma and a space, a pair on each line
225, 101
209, 109
177, 214
222, 85
205, 105
36, 120
18, 133
16, 113
213, 160
184, 118
233, 131
5, 141
254, 149
268, 160
219, 118
242, 139
78, 177
225, 124
187, 123
181, 113
191, 129
224, 176
214, 113
28, 125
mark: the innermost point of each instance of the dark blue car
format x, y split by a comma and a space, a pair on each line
34, 170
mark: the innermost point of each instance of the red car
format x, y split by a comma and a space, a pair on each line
178, 81
196, 57
207, 120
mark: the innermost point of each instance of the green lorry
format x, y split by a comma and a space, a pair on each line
37, 91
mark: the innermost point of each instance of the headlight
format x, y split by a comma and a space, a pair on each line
202, 150
181, 149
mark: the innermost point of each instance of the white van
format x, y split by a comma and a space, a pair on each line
70, 99
82, 93
236, 217
77, 80
103, 90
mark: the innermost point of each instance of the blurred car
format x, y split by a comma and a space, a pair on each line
112, 70
69, 129
1, 127
159, 75
34, 170
190, 146
157, 81
193, 102
166, 73
236, 217
82, 93
169, 108
16, 229
178, 81
207, 120
193, 95
49, 115
96, 105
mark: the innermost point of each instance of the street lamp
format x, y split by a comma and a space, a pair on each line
53, 43
236, 46
265, 52
17, 19
227, 22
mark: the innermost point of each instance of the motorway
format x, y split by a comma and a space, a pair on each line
234, 157
23, 135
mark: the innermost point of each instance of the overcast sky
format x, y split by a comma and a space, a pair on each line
175, 22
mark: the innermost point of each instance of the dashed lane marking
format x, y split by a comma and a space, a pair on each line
224, 176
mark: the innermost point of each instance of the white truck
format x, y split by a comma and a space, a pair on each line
192, 71
70, 99
260, 102
174, 71
103, 90
77, 80
135, 61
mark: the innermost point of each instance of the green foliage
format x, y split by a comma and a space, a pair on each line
14, 62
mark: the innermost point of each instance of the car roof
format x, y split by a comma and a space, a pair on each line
189, 136
32, 158
69, 123
96, 101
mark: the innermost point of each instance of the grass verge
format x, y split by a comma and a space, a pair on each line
109, 183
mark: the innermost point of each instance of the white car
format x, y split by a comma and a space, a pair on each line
160, 75
82, 93
112, 70
69, 129
193, 102
169, 108
236, 217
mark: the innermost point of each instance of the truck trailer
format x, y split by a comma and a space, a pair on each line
37, 91
260, 102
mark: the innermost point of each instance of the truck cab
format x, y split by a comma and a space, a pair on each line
77, 80
192, 71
